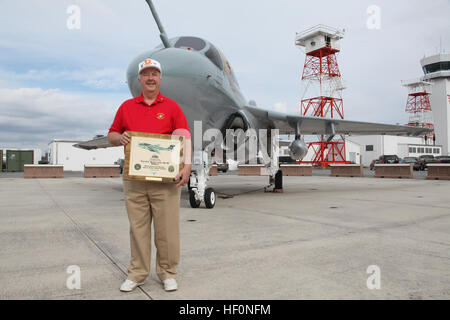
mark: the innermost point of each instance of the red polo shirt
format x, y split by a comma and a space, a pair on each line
163, 116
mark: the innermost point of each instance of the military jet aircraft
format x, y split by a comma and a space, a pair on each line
199, 77
155, 147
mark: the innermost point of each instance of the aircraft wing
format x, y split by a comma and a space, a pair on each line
287, 124
94, 144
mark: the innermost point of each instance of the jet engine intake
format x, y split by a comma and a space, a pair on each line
240, 143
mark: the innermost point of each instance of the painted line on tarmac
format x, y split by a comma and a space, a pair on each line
102, 250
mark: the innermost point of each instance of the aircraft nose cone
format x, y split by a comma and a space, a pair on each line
174, 62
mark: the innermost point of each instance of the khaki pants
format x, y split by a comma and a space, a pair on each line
160, 202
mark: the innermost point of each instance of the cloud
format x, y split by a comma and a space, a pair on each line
281, 107
34, 116
90, 79
38, 51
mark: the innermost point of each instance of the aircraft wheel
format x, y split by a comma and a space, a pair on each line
194, 202
189, 185
210, 198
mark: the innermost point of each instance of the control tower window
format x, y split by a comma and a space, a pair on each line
214, 55
194, 43
438, 66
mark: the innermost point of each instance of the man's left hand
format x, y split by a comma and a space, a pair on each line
184, 174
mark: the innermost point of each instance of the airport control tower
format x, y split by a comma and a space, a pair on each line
322, 81
437, 72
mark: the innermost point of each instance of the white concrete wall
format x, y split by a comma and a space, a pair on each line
319, 42
52, 153
37, 155
363, 141
284, 151
74, 159
315, 43
382, 144
352, 152
440, 107
403, 150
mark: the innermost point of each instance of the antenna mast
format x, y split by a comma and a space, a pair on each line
163, 34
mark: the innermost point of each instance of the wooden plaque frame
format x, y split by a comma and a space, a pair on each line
152, 137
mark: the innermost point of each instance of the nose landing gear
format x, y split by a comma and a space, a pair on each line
198, 192
209, 198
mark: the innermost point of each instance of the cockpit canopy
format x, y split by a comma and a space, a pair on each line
197, 44
210, 51
190, 43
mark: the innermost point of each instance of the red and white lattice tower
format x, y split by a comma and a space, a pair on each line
321, 74
419, 107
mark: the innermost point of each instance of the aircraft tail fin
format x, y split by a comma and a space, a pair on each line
163, 34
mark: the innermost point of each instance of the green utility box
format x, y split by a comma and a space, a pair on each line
1, 160
15, 159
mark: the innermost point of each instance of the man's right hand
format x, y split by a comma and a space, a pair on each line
124, 138
117, 139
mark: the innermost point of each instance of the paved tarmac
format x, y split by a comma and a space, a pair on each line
314, 241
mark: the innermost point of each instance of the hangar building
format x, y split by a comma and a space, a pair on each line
63, 152
374, 146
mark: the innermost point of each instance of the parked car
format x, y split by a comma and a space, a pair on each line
390, 158
223, 167
443, 159
426, 159
413, 160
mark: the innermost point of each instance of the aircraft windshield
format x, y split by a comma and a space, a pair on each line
228, 71
214, 55
194, 43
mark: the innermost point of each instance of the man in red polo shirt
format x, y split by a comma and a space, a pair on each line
146, 201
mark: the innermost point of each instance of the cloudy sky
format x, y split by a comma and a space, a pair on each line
61, 83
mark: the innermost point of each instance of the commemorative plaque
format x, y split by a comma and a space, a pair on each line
153, 157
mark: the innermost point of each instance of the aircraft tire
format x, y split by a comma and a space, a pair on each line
193, 202
189, 185
210, 198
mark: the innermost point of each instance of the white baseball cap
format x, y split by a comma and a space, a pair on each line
149, 63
